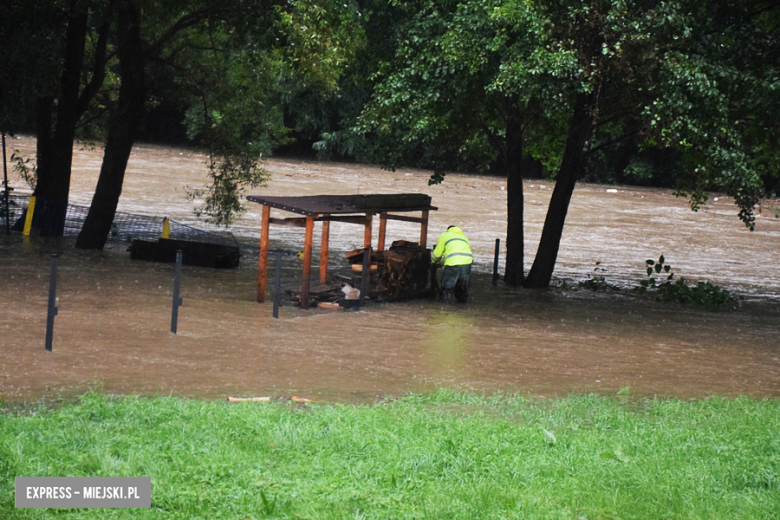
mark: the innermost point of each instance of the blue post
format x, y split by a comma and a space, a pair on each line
6, 192
177, 302
53, 311
365, 275
495, 262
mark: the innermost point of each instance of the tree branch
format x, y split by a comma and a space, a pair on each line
185, 22
610, 143
99, 68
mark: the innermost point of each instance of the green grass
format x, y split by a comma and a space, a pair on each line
446, 455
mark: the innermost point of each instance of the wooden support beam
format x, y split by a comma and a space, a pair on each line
380, 246
324, 252
262, 262
367, 232
296, 222
307, 250
346, 220
424, 229
404, 218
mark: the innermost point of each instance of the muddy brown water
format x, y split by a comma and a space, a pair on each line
112, 331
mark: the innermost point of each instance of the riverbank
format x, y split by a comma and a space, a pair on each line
441, 455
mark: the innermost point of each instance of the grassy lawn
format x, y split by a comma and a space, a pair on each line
445, 455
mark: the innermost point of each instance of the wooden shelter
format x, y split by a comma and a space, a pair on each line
351, 209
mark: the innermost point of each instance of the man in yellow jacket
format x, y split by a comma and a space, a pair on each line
454, 251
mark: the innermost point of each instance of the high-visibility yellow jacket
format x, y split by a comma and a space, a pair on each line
453, 248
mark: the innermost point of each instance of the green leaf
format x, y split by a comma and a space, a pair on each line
661, 260
549, 437
650, 262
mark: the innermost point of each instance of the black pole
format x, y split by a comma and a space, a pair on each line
53, 311
365, 274
5, 183
177, 302
495, 262
278, 284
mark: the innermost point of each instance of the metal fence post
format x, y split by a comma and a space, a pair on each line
365, 275
495, 262
177, 302
278, 284
6, 192
53, 311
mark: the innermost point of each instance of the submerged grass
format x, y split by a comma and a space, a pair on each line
445, 455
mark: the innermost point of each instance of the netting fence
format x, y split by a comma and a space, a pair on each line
126, 227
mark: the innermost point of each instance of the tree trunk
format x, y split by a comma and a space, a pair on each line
580, 128
514, 273
55, 154
44, 119
121, 133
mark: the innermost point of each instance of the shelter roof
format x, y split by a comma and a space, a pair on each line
346, 204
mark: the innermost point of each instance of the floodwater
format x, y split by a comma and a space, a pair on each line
112, 331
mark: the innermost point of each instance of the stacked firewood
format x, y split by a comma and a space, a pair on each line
398, 272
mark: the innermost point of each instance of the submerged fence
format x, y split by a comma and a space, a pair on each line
126, 227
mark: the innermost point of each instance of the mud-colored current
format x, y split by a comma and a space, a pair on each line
112, 331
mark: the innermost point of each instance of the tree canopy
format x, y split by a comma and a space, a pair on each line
558, 80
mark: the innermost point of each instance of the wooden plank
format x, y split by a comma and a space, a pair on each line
380, 246
296, 222
417, 220
262, 262
324, 252
424, 229
307, 250
329, 305
367, 232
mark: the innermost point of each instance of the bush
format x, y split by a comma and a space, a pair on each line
704, 294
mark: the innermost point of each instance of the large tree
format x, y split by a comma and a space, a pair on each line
66, 40
228, 56
666, 71
559, 79
97, 56
443, 93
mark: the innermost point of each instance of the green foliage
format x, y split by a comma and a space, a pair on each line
236, 76
25, 168
597, 282
704, 294
232, 172
442, 455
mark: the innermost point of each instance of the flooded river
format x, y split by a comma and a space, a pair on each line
114, 313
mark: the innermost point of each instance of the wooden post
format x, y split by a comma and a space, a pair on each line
380, 246
324, 252
262, 261
367, 234
307, 249
424, 229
